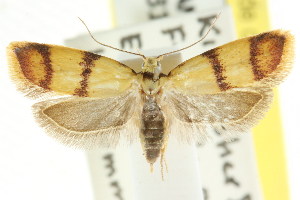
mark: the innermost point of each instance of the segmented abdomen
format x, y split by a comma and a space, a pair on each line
152, 131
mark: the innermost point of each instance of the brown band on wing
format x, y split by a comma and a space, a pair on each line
24, 54
88, 63
273, 44
218, 69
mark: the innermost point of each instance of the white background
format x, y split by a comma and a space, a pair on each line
33, 166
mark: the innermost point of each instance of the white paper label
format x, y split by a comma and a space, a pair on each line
136, 11
180, 30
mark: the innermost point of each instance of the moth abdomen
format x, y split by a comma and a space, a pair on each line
153, 129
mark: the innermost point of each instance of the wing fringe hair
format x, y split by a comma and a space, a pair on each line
99, 135
286, 63
30, 90
193, 124
232, 129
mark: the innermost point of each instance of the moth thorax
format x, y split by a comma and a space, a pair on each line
152, 130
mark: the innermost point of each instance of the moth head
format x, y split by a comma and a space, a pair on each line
152, 65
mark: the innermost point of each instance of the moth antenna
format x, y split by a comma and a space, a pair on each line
138, 51
202, 38
138, 54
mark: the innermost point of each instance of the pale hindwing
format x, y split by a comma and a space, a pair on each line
229, 112
91, 122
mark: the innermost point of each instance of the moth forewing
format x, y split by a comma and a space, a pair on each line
66, 71
263, 60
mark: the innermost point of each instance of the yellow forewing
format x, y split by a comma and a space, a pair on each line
44, 68
257, 61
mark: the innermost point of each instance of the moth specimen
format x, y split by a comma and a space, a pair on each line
228, 88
